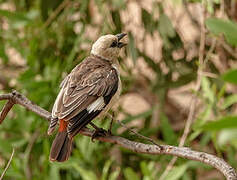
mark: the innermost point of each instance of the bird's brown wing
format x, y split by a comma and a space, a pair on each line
93, 79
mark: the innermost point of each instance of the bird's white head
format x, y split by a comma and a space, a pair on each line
108, 46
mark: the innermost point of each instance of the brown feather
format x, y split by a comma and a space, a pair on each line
61, 147
87, 81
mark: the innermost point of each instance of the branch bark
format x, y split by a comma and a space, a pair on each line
184, 152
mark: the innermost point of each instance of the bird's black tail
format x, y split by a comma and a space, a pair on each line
61, 147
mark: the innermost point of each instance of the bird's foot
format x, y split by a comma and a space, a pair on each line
100, 132
111, 123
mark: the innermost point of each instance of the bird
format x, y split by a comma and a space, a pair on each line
87, 92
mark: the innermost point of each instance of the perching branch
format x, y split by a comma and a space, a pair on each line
218, 163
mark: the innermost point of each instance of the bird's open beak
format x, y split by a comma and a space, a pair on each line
120, 36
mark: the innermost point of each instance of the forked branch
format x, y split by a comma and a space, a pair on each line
184, 152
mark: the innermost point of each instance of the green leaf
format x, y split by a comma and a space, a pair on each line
85, 173
6, 146
144, 168
182, 80
119, 4
147, 20
230, 76
166, 30
130, 174
210, 5
132, 48
54, 172
151, 63
117, 21
3, 55
226, 27
14, 16
106, 170
176, 172
208, 93
167, 130
223, 123
228, 101
165, 26
227, 136
114, 175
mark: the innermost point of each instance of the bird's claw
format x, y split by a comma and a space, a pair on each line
99, 133
109, 132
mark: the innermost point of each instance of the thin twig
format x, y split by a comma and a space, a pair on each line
55, 13
210, 51
5, 110
194, 21
209, 74
18, 98
184, 152
228, 48
222, 9
8, 164
139, 135
233, 8
29, 147
194, 98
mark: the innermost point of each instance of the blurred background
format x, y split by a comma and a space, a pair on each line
41, 41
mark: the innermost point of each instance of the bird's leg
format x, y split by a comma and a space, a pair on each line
98, 132
111, 123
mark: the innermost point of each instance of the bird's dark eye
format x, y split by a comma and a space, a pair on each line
114, 44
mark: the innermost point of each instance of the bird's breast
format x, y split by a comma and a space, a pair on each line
115, 97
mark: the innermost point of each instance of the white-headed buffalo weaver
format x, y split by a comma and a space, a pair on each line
88, 91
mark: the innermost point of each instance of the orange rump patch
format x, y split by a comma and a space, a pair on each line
62, 125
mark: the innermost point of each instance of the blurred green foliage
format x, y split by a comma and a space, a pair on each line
220, 26
43, 33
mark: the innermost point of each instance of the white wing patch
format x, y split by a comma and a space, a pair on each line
96, 105
55, 106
